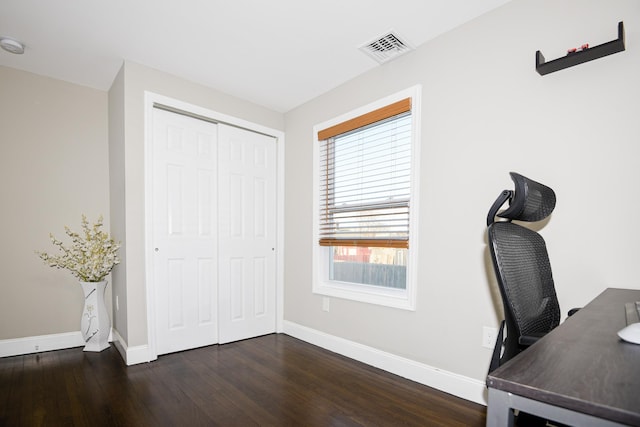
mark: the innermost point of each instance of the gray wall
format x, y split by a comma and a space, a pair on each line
53, 168
485, 112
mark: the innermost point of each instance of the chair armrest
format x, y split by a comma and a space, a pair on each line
527, 340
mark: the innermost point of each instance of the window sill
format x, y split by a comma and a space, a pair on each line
394, 298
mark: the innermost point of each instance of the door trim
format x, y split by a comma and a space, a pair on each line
150, 100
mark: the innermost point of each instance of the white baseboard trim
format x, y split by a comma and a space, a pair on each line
40, 343
132, 355
448, 382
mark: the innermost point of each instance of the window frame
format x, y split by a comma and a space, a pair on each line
390, 297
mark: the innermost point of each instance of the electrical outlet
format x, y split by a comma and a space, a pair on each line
489, 336
117, 304
325, 303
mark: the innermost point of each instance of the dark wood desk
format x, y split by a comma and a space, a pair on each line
580, 374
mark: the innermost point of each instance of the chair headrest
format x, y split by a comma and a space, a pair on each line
531, 201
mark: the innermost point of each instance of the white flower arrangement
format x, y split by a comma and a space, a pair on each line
90, 258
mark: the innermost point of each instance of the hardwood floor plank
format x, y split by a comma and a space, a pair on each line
10, 374
275, 380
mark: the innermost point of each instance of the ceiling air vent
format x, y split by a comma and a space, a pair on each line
386, 47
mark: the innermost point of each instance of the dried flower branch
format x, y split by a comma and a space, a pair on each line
90, 258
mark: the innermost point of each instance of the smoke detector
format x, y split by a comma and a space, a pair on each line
386, 47
12, 46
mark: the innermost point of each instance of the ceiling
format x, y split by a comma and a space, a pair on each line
275, 53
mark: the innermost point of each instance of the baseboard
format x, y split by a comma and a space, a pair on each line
40, 343
448, 382
132, 355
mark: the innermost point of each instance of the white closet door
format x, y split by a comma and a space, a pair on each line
185, 236
247, 233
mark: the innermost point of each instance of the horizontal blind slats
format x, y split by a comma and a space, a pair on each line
365, 182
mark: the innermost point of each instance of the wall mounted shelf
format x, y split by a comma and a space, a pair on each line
585, 55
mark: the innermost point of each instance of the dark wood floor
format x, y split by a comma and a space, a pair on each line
275, 380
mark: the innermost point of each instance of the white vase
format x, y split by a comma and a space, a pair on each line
95, 324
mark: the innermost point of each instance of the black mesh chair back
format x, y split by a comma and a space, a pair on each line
522, 267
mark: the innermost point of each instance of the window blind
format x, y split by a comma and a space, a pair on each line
365, 183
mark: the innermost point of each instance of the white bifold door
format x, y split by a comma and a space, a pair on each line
214, 224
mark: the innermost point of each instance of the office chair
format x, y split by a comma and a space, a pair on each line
522, 267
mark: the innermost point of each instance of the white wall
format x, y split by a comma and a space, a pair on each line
485, 112
53, 168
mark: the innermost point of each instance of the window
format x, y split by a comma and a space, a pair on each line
366, 202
